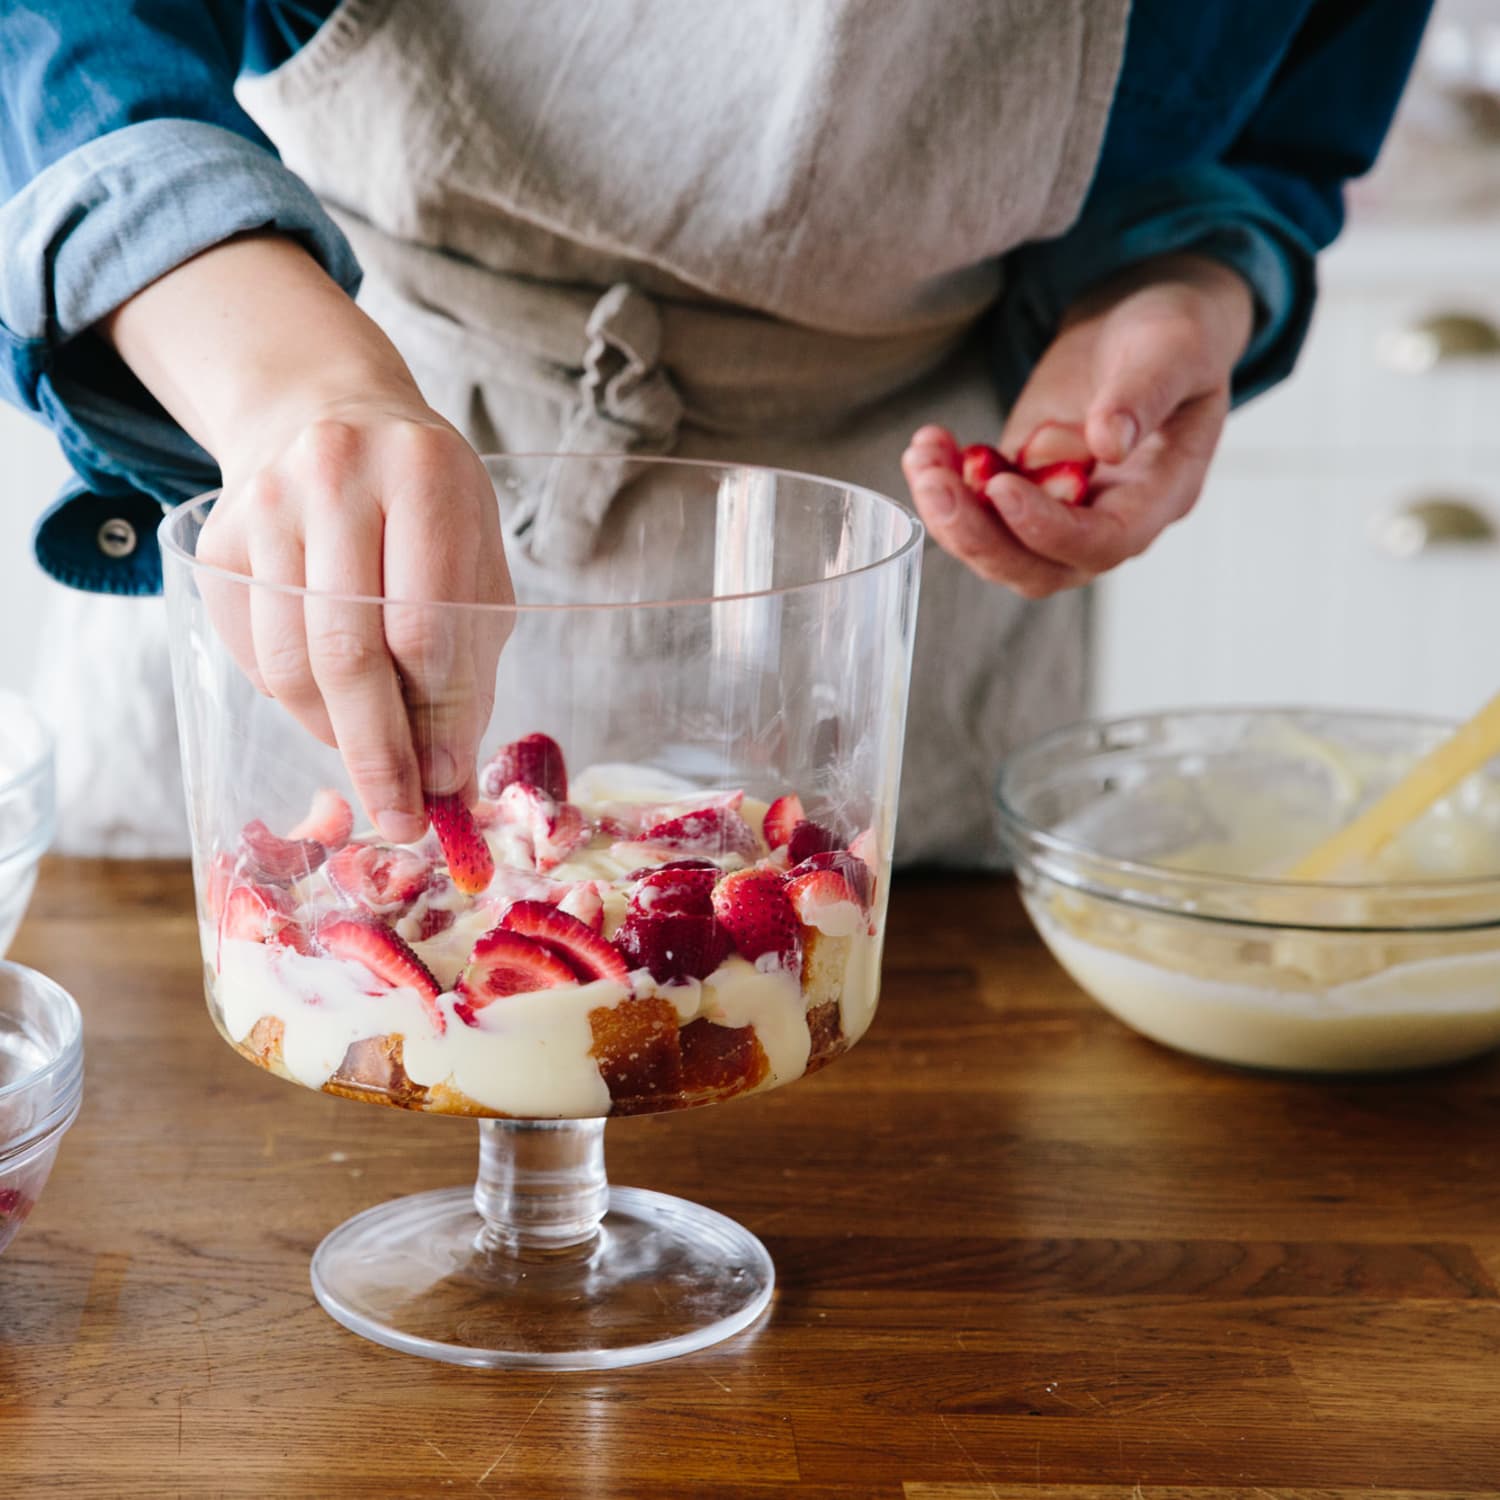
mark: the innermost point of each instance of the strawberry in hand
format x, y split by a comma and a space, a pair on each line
1123, 411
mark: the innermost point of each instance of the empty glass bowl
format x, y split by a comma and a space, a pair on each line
26, 807
41, 1084
1148, 851
669, 891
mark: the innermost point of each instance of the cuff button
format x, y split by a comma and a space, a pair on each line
117, 538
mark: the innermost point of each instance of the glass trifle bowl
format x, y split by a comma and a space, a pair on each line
668, 891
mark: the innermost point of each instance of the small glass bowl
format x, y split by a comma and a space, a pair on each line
41, 1085
26, 807
1380, 976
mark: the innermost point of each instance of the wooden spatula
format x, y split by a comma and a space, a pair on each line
1434, 776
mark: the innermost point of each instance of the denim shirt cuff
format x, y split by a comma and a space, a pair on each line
1213, 211
84, 236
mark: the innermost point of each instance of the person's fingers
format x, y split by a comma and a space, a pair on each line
227, 601
1133, 506
276, 624
433, 643
966, 526
1150, 359
352, 667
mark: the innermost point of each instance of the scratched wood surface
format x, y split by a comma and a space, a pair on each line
1022, 1254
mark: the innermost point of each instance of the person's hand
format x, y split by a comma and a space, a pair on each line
1142, 367
340, 479
374, 496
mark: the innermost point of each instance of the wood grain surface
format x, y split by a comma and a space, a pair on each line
1022, 1253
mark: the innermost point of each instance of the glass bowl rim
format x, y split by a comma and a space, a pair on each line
67, 1060
167, 541
40, 765
1015, 822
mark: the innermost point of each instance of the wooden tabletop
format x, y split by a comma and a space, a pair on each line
1021, 1251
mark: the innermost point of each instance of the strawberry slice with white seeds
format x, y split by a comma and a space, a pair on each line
584, 901
254, 914
573, 941
470, 863
535, 760
752, 907
330, 820
849, 868
781, 817
1067, 481
824, 899
713, 832
277, 861
549, 829
383, 878
981, 463
386, 955
507, 963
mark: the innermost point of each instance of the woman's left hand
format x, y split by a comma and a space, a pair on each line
1142, 366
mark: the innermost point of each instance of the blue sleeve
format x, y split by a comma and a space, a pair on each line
1232, 144
123, 154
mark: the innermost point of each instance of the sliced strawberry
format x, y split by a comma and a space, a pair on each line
824, 899
1054, 443
277, 861
673, 945
809, 838
1067, 481
711, 831
585, 901
572, 940
630, 820
330, 820
847, 867
470, 862
14, 1204
254, 914
536, 760
752, 906
507, 963
434, 920
981, 463
549, 829
674, 889
675, 864
781, 817
383, 878
385, 955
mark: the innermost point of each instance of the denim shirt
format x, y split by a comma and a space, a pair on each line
123, 153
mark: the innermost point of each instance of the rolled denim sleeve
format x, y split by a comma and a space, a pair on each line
123, 153
1232, 134
86, 234
1210, 210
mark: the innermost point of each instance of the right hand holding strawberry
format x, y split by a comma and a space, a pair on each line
1135, 389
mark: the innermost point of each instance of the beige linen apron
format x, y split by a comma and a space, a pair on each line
744, 230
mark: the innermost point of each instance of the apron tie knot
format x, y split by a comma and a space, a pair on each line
625, 405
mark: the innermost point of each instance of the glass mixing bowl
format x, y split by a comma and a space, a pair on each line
669, 892
1146, 850
26, 808
41, 1084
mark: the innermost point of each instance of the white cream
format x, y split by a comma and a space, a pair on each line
1410, 1015
1287, 997
532, 1054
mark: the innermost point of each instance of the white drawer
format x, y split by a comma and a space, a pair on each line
1349, 393
1278, 589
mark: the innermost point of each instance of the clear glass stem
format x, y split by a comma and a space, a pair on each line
541, 1189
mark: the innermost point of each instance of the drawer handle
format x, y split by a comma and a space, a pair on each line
1434, 521
1437, 340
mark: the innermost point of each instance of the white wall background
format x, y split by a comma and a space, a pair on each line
31, 472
